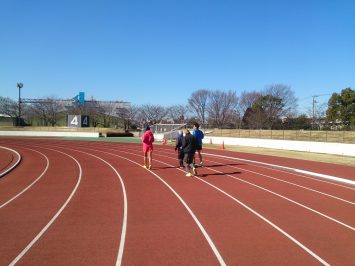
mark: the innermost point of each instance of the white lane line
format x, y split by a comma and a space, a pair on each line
288, 199
299, 175
15, 164
29, 186
125, 205
200, 226
287, 182
283, 197
27, 248
284, 181
255, 213
338, 179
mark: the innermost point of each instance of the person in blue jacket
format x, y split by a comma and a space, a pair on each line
199, 136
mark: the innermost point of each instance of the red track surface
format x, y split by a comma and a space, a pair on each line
8, 160
91, 203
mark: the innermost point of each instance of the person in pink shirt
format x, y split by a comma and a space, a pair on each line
148, 139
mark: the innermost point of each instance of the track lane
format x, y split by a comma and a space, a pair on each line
315, 227
90, 225
206, 201
33, 166
338, 170
28, 214
206, 211
144, 237
9, 159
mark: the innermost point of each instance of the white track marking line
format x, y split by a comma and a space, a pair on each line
287, 182
125, 205
17, 162
29, 186
288, 199
295, 174
27, 248
338, 179
283, 197
255, 213
303, 176
200, 226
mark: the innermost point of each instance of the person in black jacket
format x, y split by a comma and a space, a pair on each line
189, 144
178, 148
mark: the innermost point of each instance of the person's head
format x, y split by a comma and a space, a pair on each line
186, 131
196, 125
147, 128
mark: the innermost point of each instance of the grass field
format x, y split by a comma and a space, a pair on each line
301, 135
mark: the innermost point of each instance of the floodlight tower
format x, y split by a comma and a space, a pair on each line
19, 86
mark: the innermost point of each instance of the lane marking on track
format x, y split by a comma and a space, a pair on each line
284, 181
15, 164
125, 205
44, 229
288, 199
281, 196
200, 226
288, 182
303, 176
310, 252
338, 179
29, 186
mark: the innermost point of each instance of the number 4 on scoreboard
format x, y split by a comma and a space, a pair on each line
74, 121
85, 121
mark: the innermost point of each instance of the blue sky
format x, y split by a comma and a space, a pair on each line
159, 52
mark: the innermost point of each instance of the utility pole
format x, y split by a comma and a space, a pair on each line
314, 108
19, 86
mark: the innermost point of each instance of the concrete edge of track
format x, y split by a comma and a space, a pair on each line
14, 165
329, 177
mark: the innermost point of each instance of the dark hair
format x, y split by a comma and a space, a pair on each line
147, 128
196, 125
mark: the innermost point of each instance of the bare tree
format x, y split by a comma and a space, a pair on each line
287, 96
247, 99
177, 113
221, 106
128, 115
152, 113
47, 111
198, 104
108, 111
8, 107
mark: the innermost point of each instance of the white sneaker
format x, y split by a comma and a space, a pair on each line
188, 174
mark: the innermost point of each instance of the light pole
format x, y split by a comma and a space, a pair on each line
19, 86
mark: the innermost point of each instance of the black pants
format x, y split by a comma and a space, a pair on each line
188, 161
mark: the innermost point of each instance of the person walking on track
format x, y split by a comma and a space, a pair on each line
189, 144
199, 136
148, 139
178, 148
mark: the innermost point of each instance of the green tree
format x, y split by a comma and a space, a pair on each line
264, 113
341, 109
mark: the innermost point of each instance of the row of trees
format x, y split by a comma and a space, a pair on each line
275, 107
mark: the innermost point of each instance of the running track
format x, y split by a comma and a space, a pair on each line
91, 203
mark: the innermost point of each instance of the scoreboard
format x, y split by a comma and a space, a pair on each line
78, 121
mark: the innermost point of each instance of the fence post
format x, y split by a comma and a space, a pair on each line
326, 136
